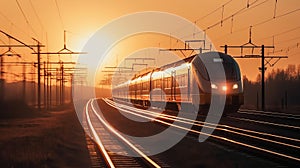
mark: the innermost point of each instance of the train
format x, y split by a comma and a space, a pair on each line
185, 83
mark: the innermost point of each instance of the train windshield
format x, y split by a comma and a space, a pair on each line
230, 66
232, 71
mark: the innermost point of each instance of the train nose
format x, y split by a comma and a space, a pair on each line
225, 87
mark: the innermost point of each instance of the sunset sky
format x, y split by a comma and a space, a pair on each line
47, 19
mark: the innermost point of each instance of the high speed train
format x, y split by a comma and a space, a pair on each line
186, 82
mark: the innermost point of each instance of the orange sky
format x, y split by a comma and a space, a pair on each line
82, 18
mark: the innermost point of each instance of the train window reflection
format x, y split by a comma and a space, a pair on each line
231, 72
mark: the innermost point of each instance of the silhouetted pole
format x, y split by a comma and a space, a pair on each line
63, 51
262, 77
57, 88
24, 83
262, 68
50, 91
1, 80
45, 87
38, 55
39, 74
252, 46
62, 84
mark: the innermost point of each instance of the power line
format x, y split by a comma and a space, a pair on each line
222, 6
20, 8
208, 14
11, 22
287, 49
279, 16
264, 22
61, 20
295, 38
37, 16
281, 33
230, 17
242, 10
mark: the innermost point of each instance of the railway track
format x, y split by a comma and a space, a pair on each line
106, 137
268, 118
272, 122
263, 143
270, 114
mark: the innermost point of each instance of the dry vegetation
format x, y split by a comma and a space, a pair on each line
41, 139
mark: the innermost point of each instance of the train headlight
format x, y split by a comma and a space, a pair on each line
214, 86
224, 88
235, 86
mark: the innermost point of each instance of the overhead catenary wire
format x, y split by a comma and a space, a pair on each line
248, 3
275, 8
240, 11
222, 6
279, 16
288, 40
208, 14
252, 5
231, 26
14, 25
222, 16
59, 13
287, 49
263, 22
280, 33
36, 14
26, 19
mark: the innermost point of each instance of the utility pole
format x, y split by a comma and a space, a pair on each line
10, 52
24, 83
188, 48
263, 58
39, 74
63, 51
45, 87
62, 79
263, 77
1, 80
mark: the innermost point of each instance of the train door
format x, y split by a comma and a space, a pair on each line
162, 91
188, 83
151, 87
173, 85
135, 90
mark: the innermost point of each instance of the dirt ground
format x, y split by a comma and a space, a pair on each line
41, 139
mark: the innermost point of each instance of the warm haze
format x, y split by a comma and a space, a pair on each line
46, 21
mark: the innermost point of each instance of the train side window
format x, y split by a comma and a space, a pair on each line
145, 86
157, 83
183, 80
138, 85
166, 82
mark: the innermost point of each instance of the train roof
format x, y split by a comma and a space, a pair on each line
207, 55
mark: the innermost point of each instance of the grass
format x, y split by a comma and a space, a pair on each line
48, 139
